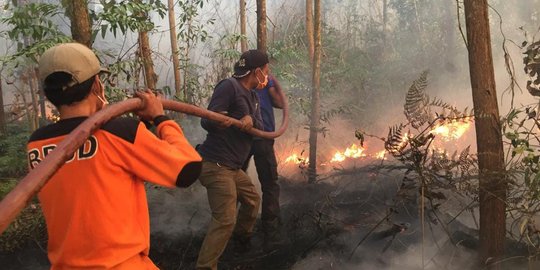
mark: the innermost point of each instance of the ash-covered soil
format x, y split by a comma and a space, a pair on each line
322, 224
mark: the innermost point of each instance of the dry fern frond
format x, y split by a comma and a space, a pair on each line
396, 140
417, 109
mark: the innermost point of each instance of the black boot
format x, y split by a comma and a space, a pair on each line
273, 238
241, 244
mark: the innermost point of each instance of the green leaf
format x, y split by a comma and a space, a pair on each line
104, 30
511, 136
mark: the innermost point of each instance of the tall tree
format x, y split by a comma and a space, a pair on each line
243, 22
30, 79
315, 100
188, 23
448, 29
175, 51
42, 107
309, 28
261, 25
81, 29
385, 13
493, 185
2, 112
150, 76
37, 91
145, 54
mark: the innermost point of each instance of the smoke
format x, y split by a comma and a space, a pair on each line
181, 212
178, 211
410, 260
350, 214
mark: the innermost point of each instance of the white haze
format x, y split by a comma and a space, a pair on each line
181, 212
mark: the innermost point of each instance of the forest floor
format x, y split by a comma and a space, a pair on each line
322, 224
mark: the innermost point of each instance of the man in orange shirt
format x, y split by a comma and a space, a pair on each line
95, 206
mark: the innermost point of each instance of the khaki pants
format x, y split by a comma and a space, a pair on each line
225, 187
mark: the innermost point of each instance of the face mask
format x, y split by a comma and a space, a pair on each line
102, 98
261, 85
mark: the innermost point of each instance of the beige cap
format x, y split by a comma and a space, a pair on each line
72, 58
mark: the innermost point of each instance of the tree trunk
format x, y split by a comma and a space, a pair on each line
385, 21
34, 97
186, 61
2, 111
175, 52
30, 112
315, 102
150, 77
243, 22
41, 95
493, 187
385, 13
29, 78
81, 31
449, 33
261, 25
309, 28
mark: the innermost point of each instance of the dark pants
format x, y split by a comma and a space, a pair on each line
266, 165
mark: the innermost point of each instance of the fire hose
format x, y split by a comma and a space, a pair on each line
16, 200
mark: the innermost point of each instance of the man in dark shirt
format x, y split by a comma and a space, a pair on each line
266, 164
224, 152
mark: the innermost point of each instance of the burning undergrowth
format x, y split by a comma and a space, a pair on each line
374, 208
432, 126
405, 201
365, 219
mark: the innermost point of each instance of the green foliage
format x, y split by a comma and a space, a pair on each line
190, 29
292, 68
532, 67
127, 16
32, 29
120, 71
523, 159
29, 20
6, 185
29, 226
13, 162
520, 128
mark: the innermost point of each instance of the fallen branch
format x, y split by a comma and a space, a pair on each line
370, 232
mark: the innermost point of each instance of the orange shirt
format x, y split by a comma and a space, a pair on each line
95, 206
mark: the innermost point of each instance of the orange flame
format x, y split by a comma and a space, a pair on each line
350, 152
447, 130
452, 130
296, 159
381, 155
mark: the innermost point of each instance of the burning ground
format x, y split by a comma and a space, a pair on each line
323, 223
362, 214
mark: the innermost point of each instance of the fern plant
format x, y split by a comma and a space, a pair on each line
431, 174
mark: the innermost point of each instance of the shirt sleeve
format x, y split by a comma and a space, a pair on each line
221, 100
257, 116
167, 161
270, 82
